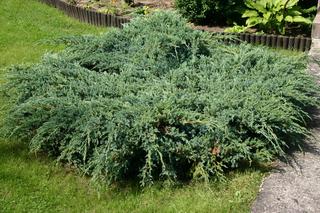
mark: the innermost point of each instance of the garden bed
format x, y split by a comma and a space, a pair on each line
299, 43
120, 8
210, 15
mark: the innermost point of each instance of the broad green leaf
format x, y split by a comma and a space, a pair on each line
249, 4
301, 19
250, 13
291, 3
259, 6
288, 19
293, 12
279, 18
310, 10
267, 15
254, 21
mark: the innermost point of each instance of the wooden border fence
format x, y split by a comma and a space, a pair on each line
88, 16
298, 43
107, 20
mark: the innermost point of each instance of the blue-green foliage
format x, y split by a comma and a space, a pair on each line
158, 100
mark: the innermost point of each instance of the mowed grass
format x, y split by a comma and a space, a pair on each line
32, 183
26, 25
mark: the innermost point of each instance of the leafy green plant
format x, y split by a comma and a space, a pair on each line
159, 100
236, 29
72, 2
273, 16
210, 11
115, 7
145, 10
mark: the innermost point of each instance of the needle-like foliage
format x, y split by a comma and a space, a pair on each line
158, 100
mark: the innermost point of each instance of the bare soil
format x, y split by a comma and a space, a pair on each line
117, 7
160, 4
163, 4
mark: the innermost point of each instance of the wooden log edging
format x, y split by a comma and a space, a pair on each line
109, 20
298, 43
88, 16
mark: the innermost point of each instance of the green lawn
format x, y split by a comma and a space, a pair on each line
30, 183
25, 25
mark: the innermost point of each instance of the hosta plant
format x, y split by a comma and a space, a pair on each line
273, 16
159, 101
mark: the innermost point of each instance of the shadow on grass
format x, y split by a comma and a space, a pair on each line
32, 180
19, 150
9, 149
